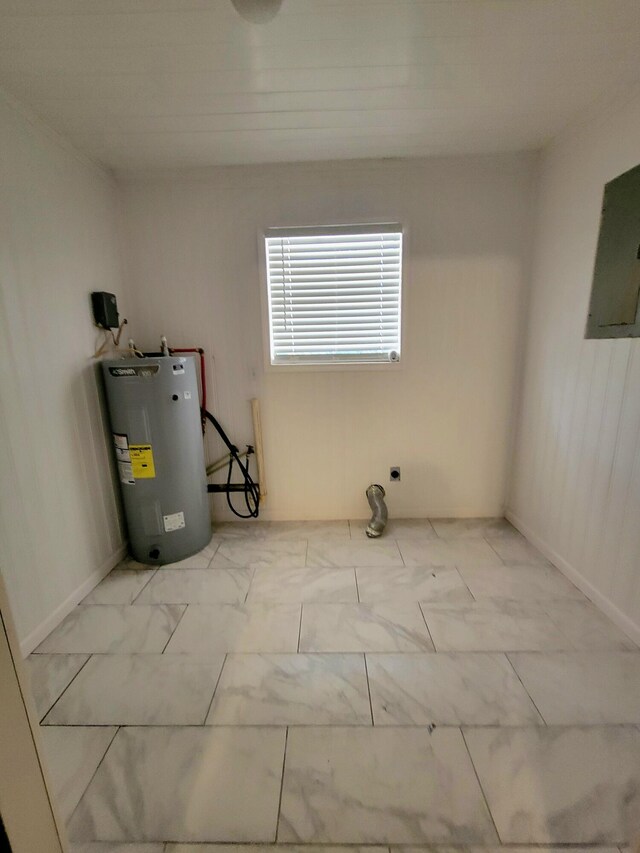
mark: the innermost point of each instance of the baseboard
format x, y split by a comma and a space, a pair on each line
624, 622
33, 640
267, 514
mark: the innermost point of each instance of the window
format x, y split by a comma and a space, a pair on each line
334, 294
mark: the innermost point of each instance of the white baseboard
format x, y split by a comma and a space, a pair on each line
267, 514
33, 640
624, 622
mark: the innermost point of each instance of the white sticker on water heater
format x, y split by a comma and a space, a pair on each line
175, 521
125, 472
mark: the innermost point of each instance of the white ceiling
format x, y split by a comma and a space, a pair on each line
172, 83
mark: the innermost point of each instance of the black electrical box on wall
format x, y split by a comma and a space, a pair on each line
105, 310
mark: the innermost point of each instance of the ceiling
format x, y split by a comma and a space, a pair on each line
179, 83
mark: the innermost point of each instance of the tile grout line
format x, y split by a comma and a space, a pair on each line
366, 672
461, 576
424, 619
53, 705
517, 674
253, 574
484, 539
355, 574
213, 695
484, 796
300, 628
93, 775
139, 593
284, 761
175, 628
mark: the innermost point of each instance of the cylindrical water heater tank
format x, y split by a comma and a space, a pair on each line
157, 439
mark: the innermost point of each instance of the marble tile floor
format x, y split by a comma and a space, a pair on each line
297, 687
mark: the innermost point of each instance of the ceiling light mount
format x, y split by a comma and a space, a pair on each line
257, 11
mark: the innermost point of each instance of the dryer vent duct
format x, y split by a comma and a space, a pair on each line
375, 496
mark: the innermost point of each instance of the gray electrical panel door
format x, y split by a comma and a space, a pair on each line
157, 442
615, 295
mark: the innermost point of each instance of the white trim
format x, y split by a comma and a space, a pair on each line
624, 622
33, 640
362, 514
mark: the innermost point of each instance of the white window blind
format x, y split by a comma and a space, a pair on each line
334, 293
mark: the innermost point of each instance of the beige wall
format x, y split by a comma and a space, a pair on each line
59, 524
576, 479
445, 417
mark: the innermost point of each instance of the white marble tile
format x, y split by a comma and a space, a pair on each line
397, 528
201, 560
399, 785
368, 552
197, 586
560, 785
275, 848
473, 528
72, 755
506, 625
292, 690
397, 627
573, 688
241, 530
516, 551
448, 689
129, 563
120, 586
586, 627
278, 584
220, 628
379, 584
256, 553
493, 626
308, 530
49, 675
185, 784
108, 847
110, 628
502, 849
139, 690
519, 582
448, 552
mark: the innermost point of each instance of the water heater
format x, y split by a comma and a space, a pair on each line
157, 439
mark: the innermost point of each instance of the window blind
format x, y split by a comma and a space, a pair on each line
334, 293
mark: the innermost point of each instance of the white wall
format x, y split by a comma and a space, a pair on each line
193, 271
59, 521
576, 480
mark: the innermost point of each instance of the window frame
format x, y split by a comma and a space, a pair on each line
330, 366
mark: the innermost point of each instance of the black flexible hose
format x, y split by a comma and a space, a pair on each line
251, 489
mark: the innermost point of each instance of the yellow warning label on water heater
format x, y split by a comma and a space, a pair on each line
142, 461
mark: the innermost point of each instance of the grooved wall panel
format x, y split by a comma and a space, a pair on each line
59, 518
576, 477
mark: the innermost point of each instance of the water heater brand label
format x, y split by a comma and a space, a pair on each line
175, 521
122, 371
142, 370
142, 461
